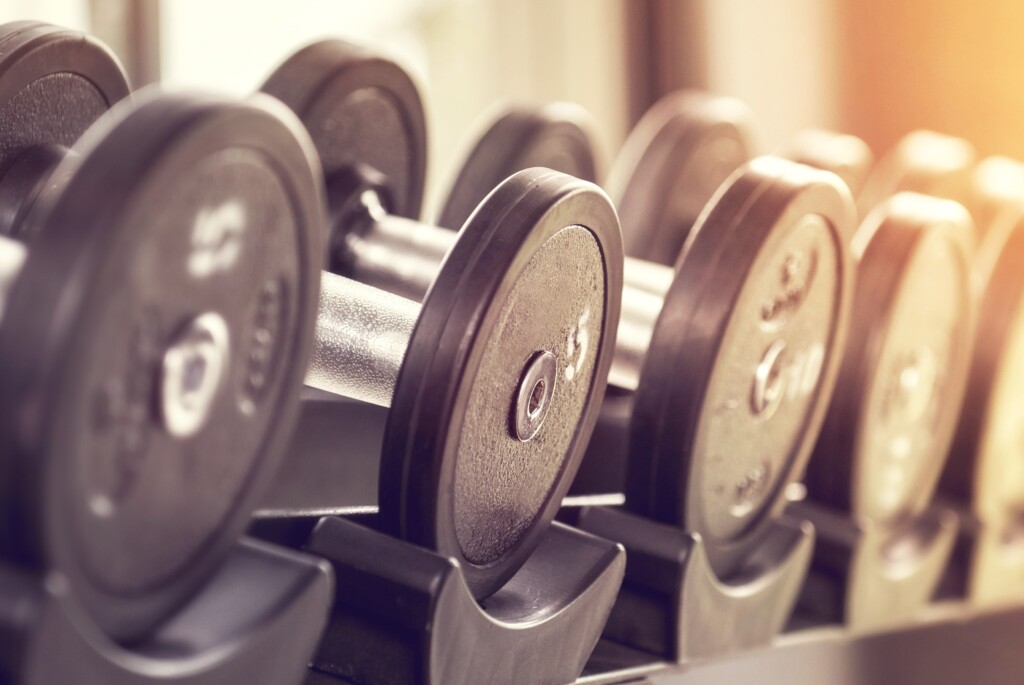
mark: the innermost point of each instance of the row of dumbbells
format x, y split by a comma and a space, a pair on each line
175, 268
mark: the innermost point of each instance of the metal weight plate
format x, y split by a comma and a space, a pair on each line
845, 155
673, 161
154, 348
900, 388
555, 136
54, 83
743, 357
456, 474
922, 162
361, 110
997, 194
984, 466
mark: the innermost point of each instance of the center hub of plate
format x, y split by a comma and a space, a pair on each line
769, 380
917, 382
193, 368
533, 397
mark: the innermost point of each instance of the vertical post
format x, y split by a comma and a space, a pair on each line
667, 49
132, 30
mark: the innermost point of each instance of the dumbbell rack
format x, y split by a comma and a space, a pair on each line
400, 609
259, 613
950, 645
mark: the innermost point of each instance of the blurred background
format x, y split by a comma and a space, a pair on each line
874, 68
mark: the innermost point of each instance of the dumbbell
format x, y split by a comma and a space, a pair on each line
467, 468
493, 383
997, 190
873, 475
922, 162
678, 154
984, 470
843, 154
905, 388
754, 305
884, 443
555, 135
158, 294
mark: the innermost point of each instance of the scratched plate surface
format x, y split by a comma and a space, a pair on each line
171, 210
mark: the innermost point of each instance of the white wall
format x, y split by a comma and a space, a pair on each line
72, 13
777, 55
232, 45
468, 54
781, 58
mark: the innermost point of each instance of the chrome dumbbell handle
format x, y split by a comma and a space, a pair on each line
362, 333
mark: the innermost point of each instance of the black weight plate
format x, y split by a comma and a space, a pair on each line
554, 136
845, 155
54, 83
883, 445
762, 290
984, 468
922, 162
676, 157
360, 109
453, 476
176, 208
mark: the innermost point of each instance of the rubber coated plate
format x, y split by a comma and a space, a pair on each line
360, 109
555, 136
888, 430
985, 463
846, 156
173, 210
997, 193
54, 83
743, 357
674, 160
921, 162
454, 477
